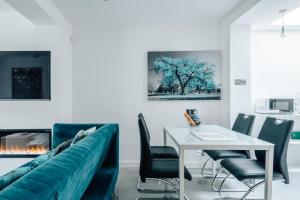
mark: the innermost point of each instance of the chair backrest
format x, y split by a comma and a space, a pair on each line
277, 132
146, 154
141, 116
243, 123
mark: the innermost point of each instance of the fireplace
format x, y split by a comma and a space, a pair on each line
24, 142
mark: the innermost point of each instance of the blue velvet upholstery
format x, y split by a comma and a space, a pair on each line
15, 174
64, 132
12, 176
87, 170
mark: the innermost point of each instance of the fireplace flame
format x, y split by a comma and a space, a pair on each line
34, 149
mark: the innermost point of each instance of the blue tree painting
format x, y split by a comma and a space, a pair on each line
184, 75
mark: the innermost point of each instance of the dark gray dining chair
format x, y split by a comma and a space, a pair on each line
243, 124
274, 131
157, 169
157, 151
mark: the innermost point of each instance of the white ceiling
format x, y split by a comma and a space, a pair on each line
265, 13
100, 11
4, 7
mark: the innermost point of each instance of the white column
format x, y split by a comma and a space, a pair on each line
214, 167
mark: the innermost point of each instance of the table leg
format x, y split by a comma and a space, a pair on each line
181, 174
269, 173
214, 167
165, 137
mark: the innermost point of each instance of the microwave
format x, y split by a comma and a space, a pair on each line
282, 105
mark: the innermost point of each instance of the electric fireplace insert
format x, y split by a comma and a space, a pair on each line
24, 142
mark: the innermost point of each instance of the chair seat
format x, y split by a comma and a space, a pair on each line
244, 169
164, 152
222, 154
167, 168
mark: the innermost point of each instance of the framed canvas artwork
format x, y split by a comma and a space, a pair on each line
184, 75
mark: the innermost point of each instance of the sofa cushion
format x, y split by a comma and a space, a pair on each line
83, 133
62, 147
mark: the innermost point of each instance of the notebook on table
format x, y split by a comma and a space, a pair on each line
211, 136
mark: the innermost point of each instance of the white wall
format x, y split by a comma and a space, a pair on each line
21, 35
110, 78
270, 65
18, 34
275, 64
275, 74
225, 35
240, 68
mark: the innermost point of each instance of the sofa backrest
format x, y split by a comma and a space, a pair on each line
63, 132
67, 175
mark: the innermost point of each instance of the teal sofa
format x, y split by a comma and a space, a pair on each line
87, 170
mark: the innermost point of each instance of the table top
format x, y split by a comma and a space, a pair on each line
184, 138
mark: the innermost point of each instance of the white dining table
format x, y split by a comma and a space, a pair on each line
184, 138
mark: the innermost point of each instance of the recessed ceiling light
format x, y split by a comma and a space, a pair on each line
290, 19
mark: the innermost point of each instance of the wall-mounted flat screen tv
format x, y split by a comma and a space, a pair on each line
25, 75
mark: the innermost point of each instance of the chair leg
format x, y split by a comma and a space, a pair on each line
203, 167
170, 183
229, 190
220, 190
164, 191
215, 179
245, 195
163, 198
251, 189
141, 189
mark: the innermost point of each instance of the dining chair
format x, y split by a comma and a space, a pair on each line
157, 169
157, 151
274, 131
243, 124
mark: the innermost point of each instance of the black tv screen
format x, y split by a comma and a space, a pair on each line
25, 75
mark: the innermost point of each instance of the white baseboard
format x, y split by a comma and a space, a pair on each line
294, 171
129, 164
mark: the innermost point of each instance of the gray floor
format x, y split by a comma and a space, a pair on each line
199, 188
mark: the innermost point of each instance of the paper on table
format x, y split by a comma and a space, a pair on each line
211, 136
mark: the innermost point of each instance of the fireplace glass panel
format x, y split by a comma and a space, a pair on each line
24, 143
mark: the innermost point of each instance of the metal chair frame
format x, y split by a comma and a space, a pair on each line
213, 168
214, 162
282, 149
218, 189
176, 189
251, 189
169, 183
